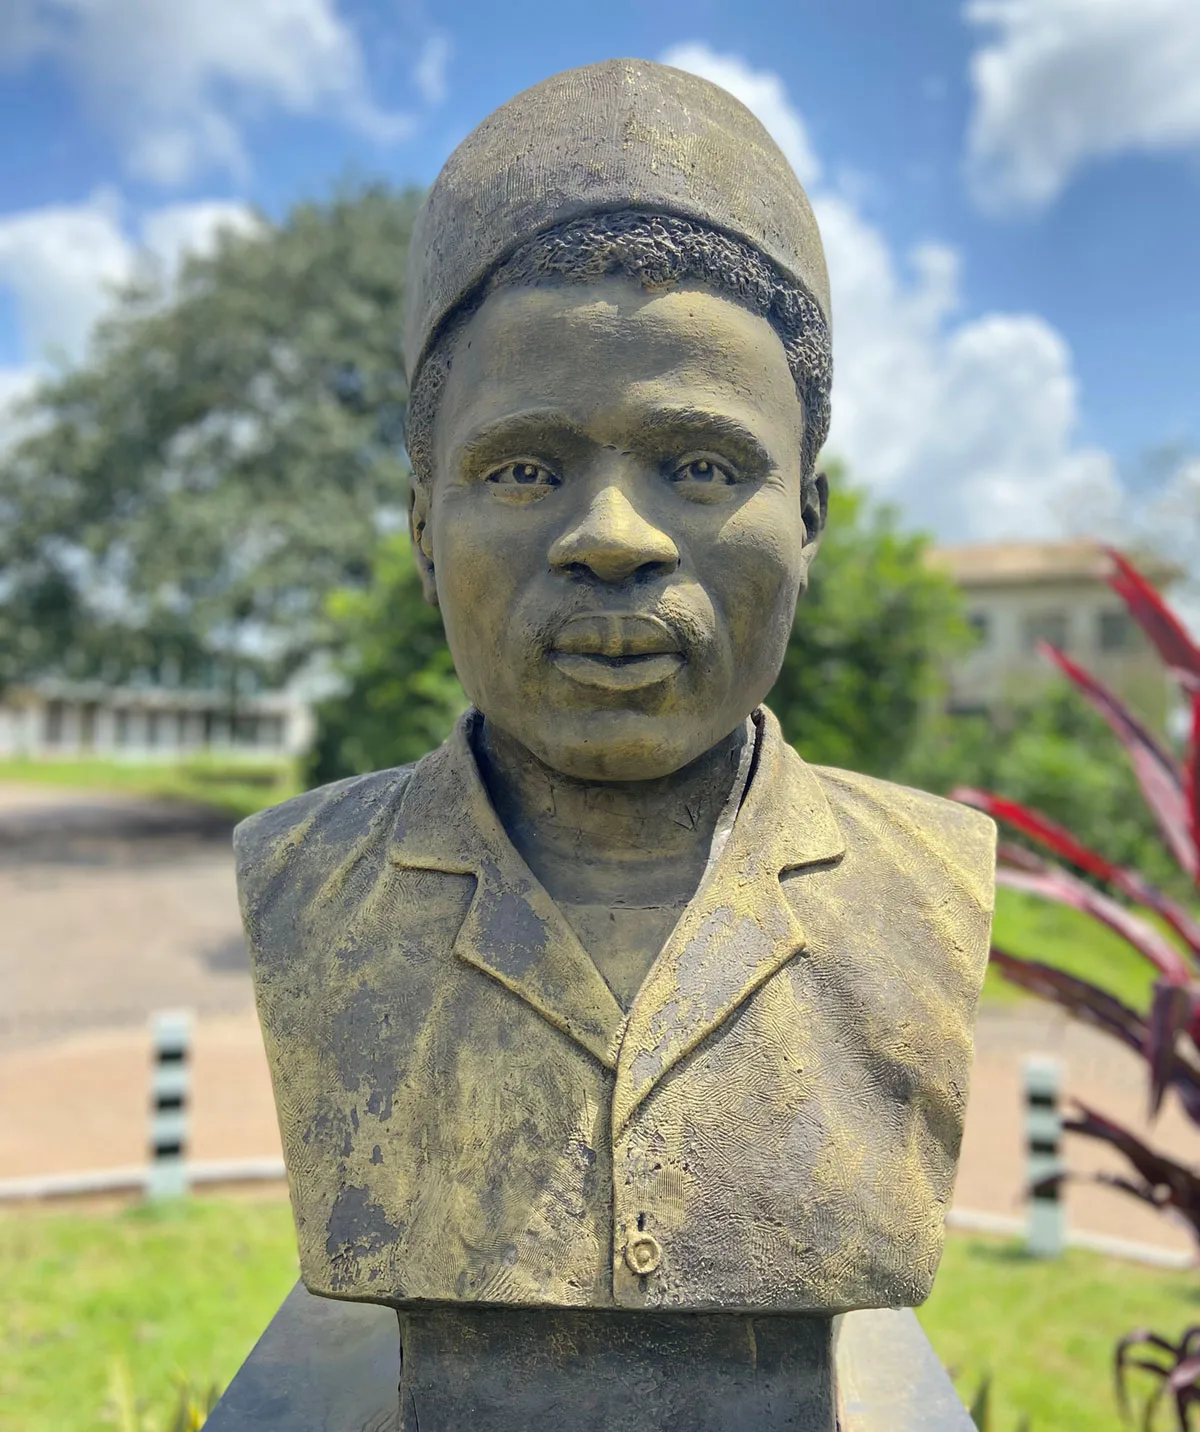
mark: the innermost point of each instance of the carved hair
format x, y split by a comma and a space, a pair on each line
658, 251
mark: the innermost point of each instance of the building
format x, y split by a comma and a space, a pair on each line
62, 720
1022, 593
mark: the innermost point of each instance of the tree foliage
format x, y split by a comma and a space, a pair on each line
399, 695
1052, 752
224, 457
870, 642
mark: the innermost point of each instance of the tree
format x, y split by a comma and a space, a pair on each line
870, 643
228, 453
399, 695
868, 648
1055, 753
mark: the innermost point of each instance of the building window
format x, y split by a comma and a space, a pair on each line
55, 722
121, 727
981, 624
87, 725
1049, 625
271, 732
1117, 631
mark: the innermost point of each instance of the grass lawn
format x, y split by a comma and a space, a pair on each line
187, 1289
166, 1290
1045, 1330
237, 787
1069, 940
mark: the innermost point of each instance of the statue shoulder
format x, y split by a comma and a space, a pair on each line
928, 827
312, 833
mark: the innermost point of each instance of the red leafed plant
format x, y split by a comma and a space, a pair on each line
1167, 1035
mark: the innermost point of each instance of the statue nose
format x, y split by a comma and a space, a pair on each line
614, 541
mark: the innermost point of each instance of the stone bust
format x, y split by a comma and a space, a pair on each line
612, 1004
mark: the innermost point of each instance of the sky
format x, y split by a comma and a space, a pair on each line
1008, 192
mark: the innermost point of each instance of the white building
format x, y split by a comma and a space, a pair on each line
64, 719
1022, 593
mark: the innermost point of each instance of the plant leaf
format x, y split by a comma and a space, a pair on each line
1170, 1016
979, 1404
1087, 1002
1157, 773
1165, 1183
1122, 1361
1151, 612
1061, 842
1053, 883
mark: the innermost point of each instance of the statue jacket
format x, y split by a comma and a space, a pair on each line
468, 1114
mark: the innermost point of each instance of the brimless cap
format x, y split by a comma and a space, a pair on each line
625, 134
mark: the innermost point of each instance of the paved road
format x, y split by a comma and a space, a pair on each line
111, 909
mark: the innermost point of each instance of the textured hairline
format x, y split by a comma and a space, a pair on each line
659, 251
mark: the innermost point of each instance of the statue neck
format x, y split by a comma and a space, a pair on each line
636, 843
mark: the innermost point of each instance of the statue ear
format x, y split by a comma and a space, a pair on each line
422, 541
816, 509
816, 506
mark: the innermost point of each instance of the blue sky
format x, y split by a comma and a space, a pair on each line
1009, 192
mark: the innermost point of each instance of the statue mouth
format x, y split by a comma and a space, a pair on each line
616, 651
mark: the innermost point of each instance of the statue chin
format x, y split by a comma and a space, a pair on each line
618, 746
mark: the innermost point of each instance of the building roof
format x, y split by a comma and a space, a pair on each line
991, 564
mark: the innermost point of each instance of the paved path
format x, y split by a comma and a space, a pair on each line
111, 909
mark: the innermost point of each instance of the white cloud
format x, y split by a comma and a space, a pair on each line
170, 232
177, 80
764, 95
967, 424
429, 73
1060, 83
62, 263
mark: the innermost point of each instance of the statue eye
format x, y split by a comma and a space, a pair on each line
708, 471
523, 474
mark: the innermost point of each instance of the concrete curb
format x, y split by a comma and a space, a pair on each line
134, 1178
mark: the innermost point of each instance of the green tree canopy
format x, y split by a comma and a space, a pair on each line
866, 656
229, 452
871, 640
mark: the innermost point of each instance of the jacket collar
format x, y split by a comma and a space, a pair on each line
737, 931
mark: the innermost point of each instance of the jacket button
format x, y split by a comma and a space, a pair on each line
643, 1253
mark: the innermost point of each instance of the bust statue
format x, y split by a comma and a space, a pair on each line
612, 1036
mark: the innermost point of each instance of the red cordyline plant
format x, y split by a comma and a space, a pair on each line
1167, 1036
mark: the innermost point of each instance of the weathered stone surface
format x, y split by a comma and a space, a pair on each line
325, 1366
611, 1039
468, 1114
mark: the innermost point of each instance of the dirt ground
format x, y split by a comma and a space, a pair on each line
112, 909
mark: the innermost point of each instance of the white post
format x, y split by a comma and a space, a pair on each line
166, 1176
1043, 1130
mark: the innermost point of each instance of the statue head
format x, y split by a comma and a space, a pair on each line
619, 356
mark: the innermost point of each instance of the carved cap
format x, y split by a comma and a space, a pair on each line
625, 134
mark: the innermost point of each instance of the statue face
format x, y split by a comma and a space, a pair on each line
615, 525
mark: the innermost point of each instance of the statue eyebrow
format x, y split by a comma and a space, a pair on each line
534, 427
700, 425
517, 429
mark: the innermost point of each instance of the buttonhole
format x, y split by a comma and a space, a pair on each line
641, 1223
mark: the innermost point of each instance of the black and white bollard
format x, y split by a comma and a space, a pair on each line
1043, 1131
166, 1176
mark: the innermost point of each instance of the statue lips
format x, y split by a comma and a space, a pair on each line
616, 651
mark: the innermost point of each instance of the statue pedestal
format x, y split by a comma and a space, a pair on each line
324, 1366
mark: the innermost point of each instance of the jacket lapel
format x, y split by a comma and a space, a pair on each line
513, 931
739, 928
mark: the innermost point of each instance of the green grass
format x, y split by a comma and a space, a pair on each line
1068, 940
184, 1288
188, 1288
237, 787
1045, 1329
